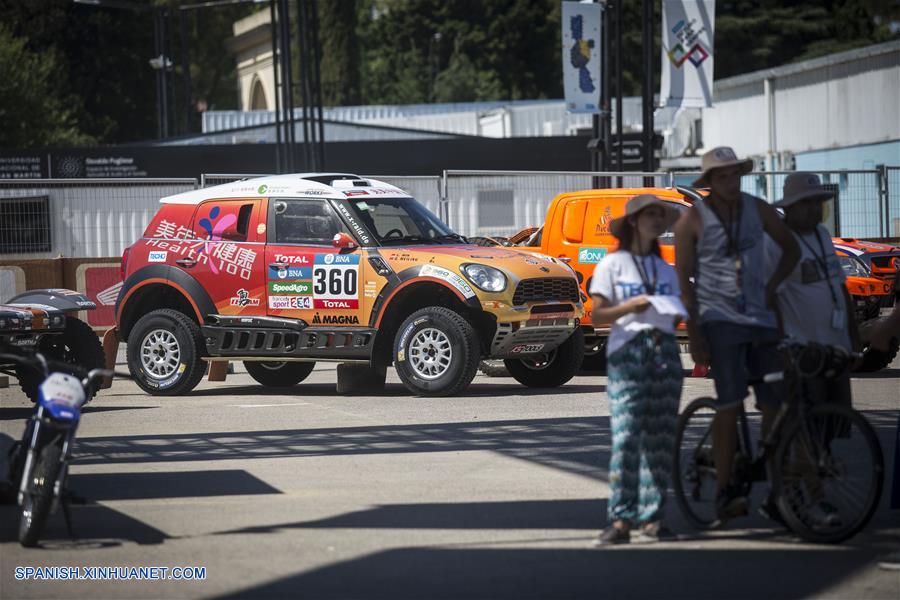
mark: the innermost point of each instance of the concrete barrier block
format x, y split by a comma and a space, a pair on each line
360, 379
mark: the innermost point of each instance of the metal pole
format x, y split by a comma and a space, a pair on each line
605, 163
275, 78
304, 56
647, 91
186, 72
317, 59
157, 51
287, 78
619, 90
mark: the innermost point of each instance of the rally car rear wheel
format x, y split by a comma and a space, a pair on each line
436, 352
550, 369
279, 373
164, 353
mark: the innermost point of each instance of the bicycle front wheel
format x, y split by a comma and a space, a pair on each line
694, 469
828, 474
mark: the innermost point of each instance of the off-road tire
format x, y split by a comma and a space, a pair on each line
77, 345
38, 499
287, 374
562, 367
464, 350
191, 367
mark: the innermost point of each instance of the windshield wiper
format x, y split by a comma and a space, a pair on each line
452, 236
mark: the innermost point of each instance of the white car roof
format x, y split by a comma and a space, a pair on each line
298, 185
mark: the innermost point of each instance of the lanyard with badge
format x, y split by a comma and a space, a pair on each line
650, 288
838, 319
733, 249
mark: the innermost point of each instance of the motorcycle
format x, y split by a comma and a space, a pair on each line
39, 463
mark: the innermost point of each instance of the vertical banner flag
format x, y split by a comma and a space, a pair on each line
581, 56
687, 53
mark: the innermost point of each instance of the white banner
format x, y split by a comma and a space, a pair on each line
581, 56
687, 53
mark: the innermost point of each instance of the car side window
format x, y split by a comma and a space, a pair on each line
303, 222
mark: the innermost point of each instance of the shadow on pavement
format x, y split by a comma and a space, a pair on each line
523, 514
173, 484
624, 572
579, 445
475, 390
95, 525
23, 412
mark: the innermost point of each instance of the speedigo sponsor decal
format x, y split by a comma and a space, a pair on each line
290, 302
299, 288
335, 320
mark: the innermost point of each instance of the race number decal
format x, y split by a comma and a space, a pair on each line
336, 281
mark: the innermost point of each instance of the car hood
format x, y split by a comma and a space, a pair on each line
517, 264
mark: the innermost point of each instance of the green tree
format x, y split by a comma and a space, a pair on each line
339, 67
33, 112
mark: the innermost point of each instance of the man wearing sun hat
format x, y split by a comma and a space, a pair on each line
813, 303
729, 293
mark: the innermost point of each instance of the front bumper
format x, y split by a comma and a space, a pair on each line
534, 336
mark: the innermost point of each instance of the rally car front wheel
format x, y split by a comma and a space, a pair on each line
164, 353
550, 369
436, 352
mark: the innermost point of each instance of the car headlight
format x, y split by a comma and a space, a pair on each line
485, 278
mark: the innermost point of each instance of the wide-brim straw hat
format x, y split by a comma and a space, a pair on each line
800, 186
639, 203
719, 158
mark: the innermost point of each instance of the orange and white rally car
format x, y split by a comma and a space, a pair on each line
280, 272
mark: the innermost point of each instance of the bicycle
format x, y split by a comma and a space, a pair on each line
820, 455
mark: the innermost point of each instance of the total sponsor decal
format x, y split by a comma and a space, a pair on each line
526, 348
242, 298
290, 302
450, 277
335, 320
590, 256
157, 256
295, 259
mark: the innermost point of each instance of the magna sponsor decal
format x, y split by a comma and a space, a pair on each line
299, 288
591, 256
335, 320
157, 256
290, 302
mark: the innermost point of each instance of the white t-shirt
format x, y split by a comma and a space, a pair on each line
811, 299
617, 279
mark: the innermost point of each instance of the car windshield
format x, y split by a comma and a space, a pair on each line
402, 221
853, 267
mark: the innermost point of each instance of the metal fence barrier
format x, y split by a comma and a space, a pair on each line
45, 218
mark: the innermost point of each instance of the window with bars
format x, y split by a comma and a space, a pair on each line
25, 225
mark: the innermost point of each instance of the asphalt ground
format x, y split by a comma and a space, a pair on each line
305, 493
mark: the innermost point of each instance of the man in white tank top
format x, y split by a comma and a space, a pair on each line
730, 295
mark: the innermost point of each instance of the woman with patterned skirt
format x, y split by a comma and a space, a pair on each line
637, 291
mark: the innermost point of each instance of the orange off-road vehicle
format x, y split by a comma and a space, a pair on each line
280, 272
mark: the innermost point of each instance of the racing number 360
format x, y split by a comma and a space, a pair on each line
334, 282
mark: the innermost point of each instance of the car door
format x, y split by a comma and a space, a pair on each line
229, 257
308, 278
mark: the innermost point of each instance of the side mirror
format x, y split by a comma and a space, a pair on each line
343, 241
